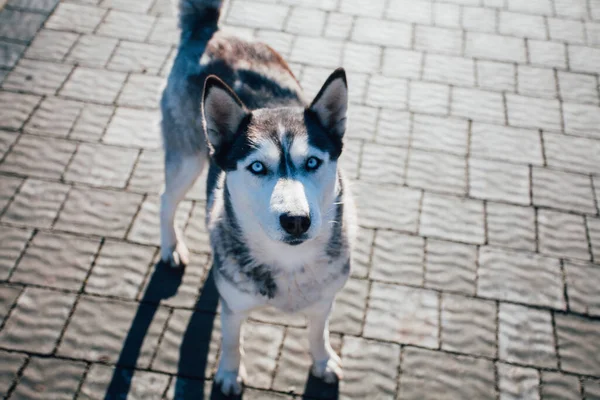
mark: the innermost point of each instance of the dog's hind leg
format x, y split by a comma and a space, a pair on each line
180, 175
326, 364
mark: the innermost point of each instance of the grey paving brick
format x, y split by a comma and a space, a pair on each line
280, 41
530, 112
541, 7
349, 160
393, 127
398, 258
578, 88
571, 9
517, 382
594, 232
37, 320
124, 25
361, 57
419, 12
8, 296
165, 31
429, 97
9, 368
391, 170
525, 336
54, 117
437, 172
350, 307
402, 63
139, 57
547, 54
468, 325
448, 69
338, 25
75, 18
566, 30
402, 314
495, 47
255, 14
12, 245
493, 180
592, 32
15, 108
356, 7
361, 253
496, 75
91, 122
477, 105
19, 25
582, 119
555, 385
426, 374
511, 226
450, 266
449, 135
562, 234
39, 77
49, 378
360, 356
7, 139
51, 45
520, 277
578, 344
10, 53
522, 25
383, 33
9, 187
452, 218
581, 281
196, 235
36, 204
536, 82
261, 346
591, 388
305, 21
51, 156
446, 15
505, 143
134, 128
479, 19
572, 153
100, 212
388, 207
93, 85
92, 50
563, 190
145, 228
438, 40
137, 6
320, 52
387, 92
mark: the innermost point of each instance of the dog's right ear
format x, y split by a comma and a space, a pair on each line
222, 112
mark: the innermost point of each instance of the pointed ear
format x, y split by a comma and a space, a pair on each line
331, 104
222, 112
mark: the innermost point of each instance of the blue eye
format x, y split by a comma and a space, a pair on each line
257, 168
313, 163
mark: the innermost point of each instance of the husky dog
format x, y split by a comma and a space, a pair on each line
279, 214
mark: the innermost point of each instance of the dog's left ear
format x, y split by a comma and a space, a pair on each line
222, 112
331, 104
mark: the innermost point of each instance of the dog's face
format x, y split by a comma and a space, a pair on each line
281, 164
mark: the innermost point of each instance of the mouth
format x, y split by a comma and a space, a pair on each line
294, 241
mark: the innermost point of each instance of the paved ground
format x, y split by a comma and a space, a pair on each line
474, 143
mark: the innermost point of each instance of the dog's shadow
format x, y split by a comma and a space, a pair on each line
195, 346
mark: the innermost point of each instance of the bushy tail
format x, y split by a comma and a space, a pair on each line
198, 19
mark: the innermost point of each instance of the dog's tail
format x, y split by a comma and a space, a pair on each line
198, 19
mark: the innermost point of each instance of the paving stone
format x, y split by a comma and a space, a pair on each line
496, 75
349, 308
419, 12
137, 6
579, 88
36, 322
529, 112
398, 258
581, 281
443, 134
305, 21
584, 59
582, 119
562, 234
9, 368
165, 31
92, 121
517, 382
12, 245
571, 9
446, 15
555, 385
369, 368
271, 315
7, 139
437, 172
196, 388
361, 253
522, 25
494, 180
393, 127
93, 85
10, 53
426, 374
592, 32
254, 14
9, 185
479, 19
572, 153
450, 266
563, 190
438, 40
189, 344
383, 33
141, 385
520, 277
99, 212
15, 108
547, 54
511, 226
338, 26
426, 97
48, 378
37, 204
146, 226
196, 235
468, 325
51, 45
124, 25
51, 156
8, 296
452, 218
387, 92
133, 128
495, 47
387, 207
148, 173
505, 143
19, 25
350, 158
578, 344
536, 82
75, 18
361, 57
402, 63
402, 314
451, 70
566, 30
54, 117
39, 77
139, 57
261, 347
591, 388
93, 51
477, 105
525, 336
356, 7
541, 7
594, 233
382, 163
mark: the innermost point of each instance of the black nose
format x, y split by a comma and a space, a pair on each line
294, 224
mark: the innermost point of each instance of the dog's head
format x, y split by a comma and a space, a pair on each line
281, 163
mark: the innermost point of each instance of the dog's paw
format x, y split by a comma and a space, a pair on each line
231, 382
177, 256
330, 369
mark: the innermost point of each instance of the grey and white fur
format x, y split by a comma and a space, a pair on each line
280, 215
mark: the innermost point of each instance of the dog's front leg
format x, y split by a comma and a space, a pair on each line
231, 373
326, 364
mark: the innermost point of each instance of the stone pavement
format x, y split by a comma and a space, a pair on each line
474, 144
